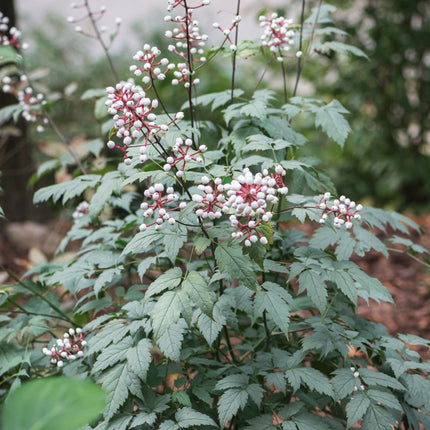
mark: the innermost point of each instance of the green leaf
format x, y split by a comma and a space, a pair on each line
200, 244
93, 93
209, 328
166, 312
110, 183
10, 112
115, 382
112, 354
373, 378
181, 397
174, 243
330, 119
238, 380
168, 425
313, 378
345, 284
197, 289
256, 392
275, 301
344, 383
139, 358
312, 281
141, 242
230, 402
106, 277
385, 398
356, 407
66, 190
9, 55
51, 403
378, 418
167, 281
187, 417
342, 48
231, 260
170, 341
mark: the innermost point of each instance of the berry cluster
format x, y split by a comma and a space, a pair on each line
10, 36
69, 348
343, 210
277, 35
249, 197
30, 102
226, 32
134, 117
153, 68
359, 385
82, 209
94, 16
188, 41
160, 206
182, 156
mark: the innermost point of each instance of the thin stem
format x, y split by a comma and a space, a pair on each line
409, 255
266, 329
230, 348
299, 61
236, 39
284, 81
190, 67
64, 141
100, 39
27, 287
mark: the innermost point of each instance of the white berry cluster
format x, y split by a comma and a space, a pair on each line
162, 201
134, 117
248, 199
277, 34
360, 386
343, 210
81, 210
183, 154
69, 348
227, 31
153, 68
10, 36
30, 101
188, 41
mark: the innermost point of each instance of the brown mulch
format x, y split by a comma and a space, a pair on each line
28, 243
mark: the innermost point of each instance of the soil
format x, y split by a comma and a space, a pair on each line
23, 245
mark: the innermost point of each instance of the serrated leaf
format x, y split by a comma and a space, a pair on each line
385, 398
345, 284
231, 260
238, 380
141, 242
106, 277
170, 342
312, 281
115, 382
187, 417
112, 354
181, 397
356, 407
200, 244
256, 392
197, 289
168, 425
209, 328
139, 358
145, 264
330, 119
373, 378
143, 418
275, 301
167, 281
311, 377
342, 48
166, 312
344, 383
66, 190
110, 183
174, 243
230, 402
378, 418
